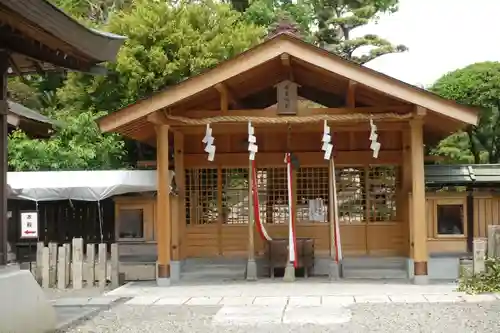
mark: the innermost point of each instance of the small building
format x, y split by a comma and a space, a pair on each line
381, 201
36, 125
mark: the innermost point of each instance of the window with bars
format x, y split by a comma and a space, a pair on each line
312, 194
351, 194
235, 196
382, 181
201, 196
273, 195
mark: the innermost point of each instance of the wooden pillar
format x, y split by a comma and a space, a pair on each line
251, 264
4, 65
419, 223
180, 182
406, 188
163, 221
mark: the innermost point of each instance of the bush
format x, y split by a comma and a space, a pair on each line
485, 282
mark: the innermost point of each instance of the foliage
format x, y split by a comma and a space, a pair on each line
485, 282
477, 85
77, 145
329, 23
166, 44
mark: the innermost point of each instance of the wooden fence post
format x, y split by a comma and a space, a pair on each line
479, 252
45, 268
52, 264
61, 268
102, 265
67, 275
39, 255
77, 263
90, 265
115, 268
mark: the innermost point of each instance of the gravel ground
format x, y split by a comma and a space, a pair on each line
418, 317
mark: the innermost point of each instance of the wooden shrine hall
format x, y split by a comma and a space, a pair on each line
287, 88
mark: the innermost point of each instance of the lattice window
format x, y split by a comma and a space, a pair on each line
351, 197
201, 196
312, 194
235, 196
382, 181
273, 195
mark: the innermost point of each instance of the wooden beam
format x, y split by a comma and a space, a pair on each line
163, 220
386, 125
351, 94
285, 61
227, 98
158, 118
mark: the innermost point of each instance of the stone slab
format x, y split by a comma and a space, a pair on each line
304, 301
271, 300
172, 301
68, 315
102, 300
316, 315
408, 298
23, 306
372, 299
204, 301
142, 300
248, 315
71, 301
479, 298
337, 300
237, 300
444, 298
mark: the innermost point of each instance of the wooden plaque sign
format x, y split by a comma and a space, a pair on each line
287, 97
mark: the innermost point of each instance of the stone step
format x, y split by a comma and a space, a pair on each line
374, 273
375, 263
214, 274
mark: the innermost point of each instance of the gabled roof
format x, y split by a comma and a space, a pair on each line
310, 59
40, 32
475, 175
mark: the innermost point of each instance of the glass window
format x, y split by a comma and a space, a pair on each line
450, 219
131, 223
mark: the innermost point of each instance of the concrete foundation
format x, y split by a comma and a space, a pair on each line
421, 279
251, 272
334, 270
163, 282
23, 306
175, 271
289, 275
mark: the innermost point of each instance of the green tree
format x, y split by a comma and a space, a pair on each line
329, 23
76, 145
477, 85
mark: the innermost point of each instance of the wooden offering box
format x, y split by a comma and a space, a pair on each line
278, 254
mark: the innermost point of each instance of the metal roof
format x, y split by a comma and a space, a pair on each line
475, 175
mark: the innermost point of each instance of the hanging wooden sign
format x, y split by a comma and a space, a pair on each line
287, 97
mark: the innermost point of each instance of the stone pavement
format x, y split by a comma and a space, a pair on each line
303, 302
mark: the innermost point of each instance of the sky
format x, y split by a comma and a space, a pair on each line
442, 35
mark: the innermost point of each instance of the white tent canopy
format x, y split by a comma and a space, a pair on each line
80, 185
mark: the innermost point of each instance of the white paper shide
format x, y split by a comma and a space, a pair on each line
208, 140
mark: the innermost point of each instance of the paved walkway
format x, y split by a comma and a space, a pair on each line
304, 302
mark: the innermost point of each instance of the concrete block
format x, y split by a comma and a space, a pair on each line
115, 269
52, 264
479, 254
77, 276
90, 265
67, 248
289, 275
175, 271
27, 311
102, 265
39, 254
251, 270
45, 268
61, 268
